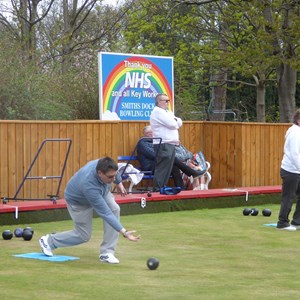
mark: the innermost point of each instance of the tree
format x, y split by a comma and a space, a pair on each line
213, 39
56, 67
263, 36
221, 50
167, 29
288, 45
23, 25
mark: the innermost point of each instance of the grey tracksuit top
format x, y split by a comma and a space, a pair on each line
85, 188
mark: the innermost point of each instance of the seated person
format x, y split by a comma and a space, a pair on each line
146, 157
195, 161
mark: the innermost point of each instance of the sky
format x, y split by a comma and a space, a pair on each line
114, 2
7, 3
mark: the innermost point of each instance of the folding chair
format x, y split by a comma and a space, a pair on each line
147, 175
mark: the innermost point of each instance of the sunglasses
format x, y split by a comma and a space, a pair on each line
110, 177
165, 101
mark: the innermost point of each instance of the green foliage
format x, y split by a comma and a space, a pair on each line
242, 39
166, 30
253, 38
26, 92
56, 84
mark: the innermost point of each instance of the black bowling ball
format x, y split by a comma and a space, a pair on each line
27, 234
7, 235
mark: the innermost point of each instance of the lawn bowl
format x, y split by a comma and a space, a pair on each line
152, 263
7, 235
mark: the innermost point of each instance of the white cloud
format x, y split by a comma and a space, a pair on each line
108, 115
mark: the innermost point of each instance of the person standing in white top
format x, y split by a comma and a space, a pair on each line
290, 175
164, 125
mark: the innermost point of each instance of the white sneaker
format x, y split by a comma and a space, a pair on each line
45, 246
296, 226
288, 228
108, 258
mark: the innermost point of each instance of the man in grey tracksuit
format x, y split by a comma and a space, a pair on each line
87, 191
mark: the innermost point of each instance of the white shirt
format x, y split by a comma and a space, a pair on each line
291, 156
165, 125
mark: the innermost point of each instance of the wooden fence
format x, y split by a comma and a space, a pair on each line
241, 154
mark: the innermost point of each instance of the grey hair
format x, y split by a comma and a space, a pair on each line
296, 117
158, 97
146, 128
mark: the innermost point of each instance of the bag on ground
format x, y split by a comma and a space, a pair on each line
170, 190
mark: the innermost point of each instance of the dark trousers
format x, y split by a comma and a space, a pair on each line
177, 176
164, 164
290, 189
180, 167
184, 167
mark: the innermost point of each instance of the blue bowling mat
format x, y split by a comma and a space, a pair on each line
41, 256
271, 224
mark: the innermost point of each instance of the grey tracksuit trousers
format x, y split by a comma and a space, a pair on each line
82, 217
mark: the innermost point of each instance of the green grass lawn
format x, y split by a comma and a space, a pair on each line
203, 254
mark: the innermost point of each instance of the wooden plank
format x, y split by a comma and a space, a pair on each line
191, 137
108, 135
55, 160
102, 139
245, 155
118, 139
230, 156
30, 186
207, 142
63, 147
238, 160
70, 165
223, 156
82, 145
19, 154
11, 140
183, 136
277, 160
75, 162
4, 170
256, 156
266, 163
89, 142
42, 158
27, 158
262, 141
215, 155
270, 161
198, 137
48, 164
96, 141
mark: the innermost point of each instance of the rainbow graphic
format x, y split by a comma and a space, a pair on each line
133, 103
